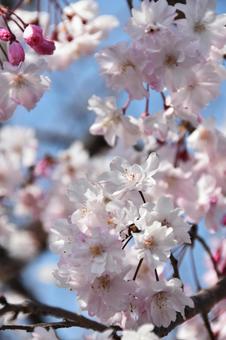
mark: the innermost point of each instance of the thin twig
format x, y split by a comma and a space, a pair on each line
137, 270
142, 196
147, 102
156, 275
130, 5
174, 263
127, 241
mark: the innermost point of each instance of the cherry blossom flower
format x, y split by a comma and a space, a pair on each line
122, 69
152, 18
125, 177
106, 295
22, 148
169, 61
154, 242
7, 105
210, 203
167, 299
94, 254
200, 87
30, 201
143, 333
111, 122
167, 215
10, 175
43, 334
202, 23
24, 84
71, 163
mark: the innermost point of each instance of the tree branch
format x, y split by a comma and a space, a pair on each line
40, 309
204, 301
46, 325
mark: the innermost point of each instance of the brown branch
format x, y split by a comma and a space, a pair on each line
204, 301
35, 308
137, 270
174, 263
174, 2
130, 5
46, 325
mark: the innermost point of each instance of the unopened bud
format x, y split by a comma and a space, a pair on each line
16, 53
5, 34
47, 47
33, 35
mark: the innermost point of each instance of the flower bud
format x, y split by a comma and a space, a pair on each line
5, 34
16, 53
47, 47
33, 35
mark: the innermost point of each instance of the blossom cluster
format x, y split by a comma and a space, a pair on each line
97, 262
119, 221
180, 58
48, 45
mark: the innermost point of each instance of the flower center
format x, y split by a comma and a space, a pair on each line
170, 60
149, 242
151, 29
104, 282
205, 135
96, 250
127, 64
199, 27
19, 81
131, 176
166, 223
161, 300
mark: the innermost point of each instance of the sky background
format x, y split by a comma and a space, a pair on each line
63, 110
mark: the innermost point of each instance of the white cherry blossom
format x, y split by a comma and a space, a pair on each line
111, 122
154, 243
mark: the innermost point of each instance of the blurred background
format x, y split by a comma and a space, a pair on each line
62, 117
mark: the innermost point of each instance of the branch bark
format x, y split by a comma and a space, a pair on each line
204, 301
34, 308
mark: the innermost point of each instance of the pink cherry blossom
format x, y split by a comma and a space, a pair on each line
122, 69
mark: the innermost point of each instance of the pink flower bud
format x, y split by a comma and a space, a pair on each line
33, 35
224, 220
47, 47
5, 34
16, 53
